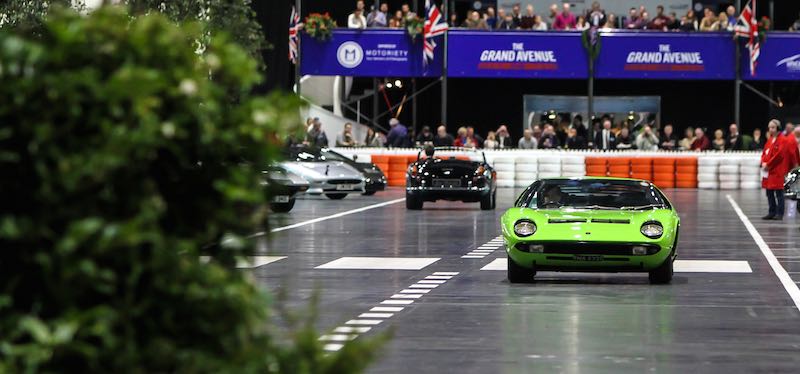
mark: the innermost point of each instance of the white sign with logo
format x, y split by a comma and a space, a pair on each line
349, 54
792, 64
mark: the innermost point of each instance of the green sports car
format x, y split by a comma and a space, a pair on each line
591, 225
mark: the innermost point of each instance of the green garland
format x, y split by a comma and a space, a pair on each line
592, 49
414, 26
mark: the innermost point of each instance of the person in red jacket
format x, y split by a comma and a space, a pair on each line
701, 142
777, 160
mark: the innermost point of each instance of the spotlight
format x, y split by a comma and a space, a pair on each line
398, 83
780, 103
389, 85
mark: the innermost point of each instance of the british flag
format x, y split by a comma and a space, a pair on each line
747, 26
294, 29
434, 26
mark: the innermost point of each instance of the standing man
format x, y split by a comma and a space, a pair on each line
442, 138
316, 137
605, 139
776, 162
346, 139
503, 138
478, 139
565, 20
398, 135
734, 140
377, 18
527, 141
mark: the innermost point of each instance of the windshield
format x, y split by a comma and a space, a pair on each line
593, 194
308, 154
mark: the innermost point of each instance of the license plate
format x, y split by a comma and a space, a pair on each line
446, 183
280, 199
344, 187
588, 258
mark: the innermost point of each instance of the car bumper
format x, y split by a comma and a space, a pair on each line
325, 187
587, 256
468, 194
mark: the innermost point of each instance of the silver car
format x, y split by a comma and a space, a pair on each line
335, 179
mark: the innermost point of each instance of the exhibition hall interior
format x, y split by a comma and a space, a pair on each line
391, 186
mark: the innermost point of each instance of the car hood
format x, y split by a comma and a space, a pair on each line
281, 176
322, 170
589, 224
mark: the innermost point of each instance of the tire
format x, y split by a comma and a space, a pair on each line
519, 274
663, 273
487, 203
369, 193
494, 200
336, 196
413, 203
282, 207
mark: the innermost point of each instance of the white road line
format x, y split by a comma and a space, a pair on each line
472, 256
337, 337
783, 276
396, 302
423, 286
375, 315
439, 277
405, 296
333, 347
370, 322
445, 273
352, 329
431, 281
415, 291
332, 216
483, 250
393, 309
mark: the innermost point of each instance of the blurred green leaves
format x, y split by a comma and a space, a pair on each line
120, 157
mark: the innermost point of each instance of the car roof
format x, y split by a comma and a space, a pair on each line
597, 178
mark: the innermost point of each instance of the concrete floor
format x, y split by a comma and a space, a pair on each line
474, 321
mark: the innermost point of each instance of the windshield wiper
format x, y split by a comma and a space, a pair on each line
640, 207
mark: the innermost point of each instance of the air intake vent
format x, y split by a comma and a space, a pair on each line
567, 220
602, 220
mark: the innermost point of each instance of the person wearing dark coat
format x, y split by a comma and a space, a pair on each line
442, 138
605, 139
504, 140
734, 141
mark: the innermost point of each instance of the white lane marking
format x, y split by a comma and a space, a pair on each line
250, 262
445, 273
332, 216
375, 315
423, 286
476, 251
393, 309
337, 337
380, 263
439, 277
424, 281
369, 322
352, 329
783, 276
711, 266
396, 302
472, 256
680, 266
492, 247
333, 347
405, 296
415, 291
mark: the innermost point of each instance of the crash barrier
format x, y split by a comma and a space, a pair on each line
519, 168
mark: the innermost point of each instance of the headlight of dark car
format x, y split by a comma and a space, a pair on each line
652, 230
524, 228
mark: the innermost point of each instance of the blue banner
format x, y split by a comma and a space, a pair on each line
526, 54
372, 53
666, 55
779, 59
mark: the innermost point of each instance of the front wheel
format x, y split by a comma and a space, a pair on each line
413, 203
519, 274
488, 202
663, 273
282, 207
336, 196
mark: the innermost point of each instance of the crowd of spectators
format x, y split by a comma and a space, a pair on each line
556, 17
559, 134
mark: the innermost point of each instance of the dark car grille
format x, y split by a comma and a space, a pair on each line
344, 181
587, 248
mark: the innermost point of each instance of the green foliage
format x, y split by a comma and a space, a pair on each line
120, 155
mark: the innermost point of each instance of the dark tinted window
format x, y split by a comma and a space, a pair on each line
594, 194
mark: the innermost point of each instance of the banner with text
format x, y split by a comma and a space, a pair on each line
660, 55
779, 59
372, 53
516, 55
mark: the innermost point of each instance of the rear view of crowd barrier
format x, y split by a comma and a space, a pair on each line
519, 168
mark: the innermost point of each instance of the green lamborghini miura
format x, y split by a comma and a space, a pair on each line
591, 225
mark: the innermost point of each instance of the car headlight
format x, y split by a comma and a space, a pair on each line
524, 228
652, 230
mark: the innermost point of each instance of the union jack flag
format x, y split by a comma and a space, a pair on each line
294, 29
434, 26
747, 26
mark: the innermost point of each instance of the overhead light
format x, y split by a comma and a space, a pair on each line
780, 103
398, 83
389, 85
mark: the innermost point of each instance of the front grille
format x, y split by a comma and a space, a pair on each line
344, 181
588, 248
566, 220
605, 220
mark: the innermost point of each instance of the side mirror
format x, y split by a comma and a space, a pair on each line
355, 157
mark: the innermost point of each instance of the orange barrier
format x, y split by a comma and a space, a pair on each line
642, 168
398, 164
686, 172
596, 166
664, 172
